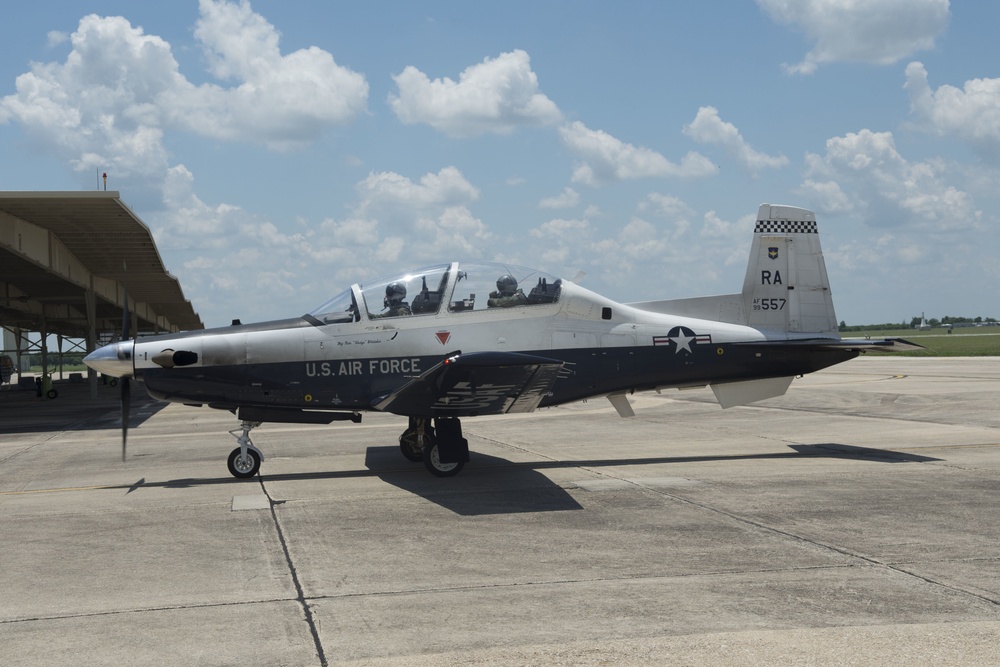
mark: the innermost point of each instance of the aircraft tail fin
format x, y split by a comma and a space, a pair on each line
786, 289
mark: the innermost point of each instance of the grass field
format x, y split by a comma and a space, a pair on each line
963, 342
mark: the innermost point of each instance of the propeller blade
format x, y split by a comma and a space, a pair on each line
125, 382
126, 320
126, 409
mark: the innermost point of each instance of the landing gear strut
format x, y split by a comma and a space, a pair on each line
440, 446
415, 437
245, 460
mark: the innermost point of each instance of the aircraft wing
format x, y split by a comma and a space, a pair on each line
862, 344
478, 383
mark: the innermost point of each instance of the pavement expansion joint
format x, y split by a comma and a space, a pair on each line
299, 591
141, 610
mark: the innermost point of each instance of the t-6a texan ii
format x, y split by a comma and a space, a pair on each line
466, 339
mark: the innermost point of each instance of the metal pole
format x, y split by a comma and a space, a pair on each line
90, 301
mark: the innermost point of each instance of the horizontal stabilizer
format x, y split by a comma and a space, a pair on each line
730, 394
882, 345
861, 344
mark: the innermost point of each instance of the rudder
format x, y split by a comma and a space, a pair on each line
786, 287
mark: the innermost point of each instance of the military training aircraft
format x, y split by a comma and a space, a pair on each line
466, 339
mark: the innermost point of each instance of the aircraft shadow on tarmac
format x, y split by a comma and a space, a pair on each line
838, 451
491, 485
74, 410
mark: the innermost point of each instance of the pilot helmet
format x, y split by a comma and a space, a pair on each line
395, 292
506, 285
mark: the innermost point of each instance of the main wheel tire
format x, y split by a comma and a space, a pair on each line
432, 461
408, 445
243, 468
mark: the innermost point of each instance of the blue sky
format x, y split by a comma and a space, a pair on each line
280, 151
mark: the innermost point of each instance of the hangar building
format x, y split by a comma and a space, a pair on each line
66, 262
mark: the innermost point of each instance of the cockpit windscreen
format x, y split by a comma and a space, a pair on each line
416, 293
478, 286
338, 310
483, 285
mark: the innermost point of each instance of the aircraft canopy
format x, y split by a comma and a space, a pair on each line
469, 286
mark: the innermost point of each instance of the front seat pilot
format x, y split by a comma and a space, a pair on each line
394, 295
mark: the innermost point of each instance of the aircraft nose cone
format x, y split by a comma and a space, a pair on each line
114, 359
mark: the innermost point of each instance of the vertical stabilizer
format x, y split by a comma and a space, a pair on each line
786, 288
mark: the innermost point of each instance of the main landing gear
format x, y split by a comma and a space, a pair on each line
439, 445
437, 442
245, 460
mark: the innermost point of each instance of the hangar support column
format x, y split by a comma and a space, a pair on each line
91, 307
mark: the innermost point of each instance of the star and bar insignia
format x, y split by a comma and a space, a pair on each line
682, 338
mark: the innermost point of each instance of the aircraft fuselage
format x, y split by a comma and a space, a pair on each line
606, 348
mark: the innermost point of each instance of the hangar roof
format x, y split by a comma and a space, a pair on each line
55, 247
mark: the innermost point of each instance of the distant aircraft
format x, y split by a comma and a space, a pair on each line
466, 339
923, 326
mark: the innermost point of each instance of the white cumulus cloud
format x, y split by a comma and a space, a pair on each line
708, 128
497, 95
879, 32
398, 224
281, 100
422, 221
665, 205
567, 199
389, 189
607, 159
970, 114
863, 174
99, 109
119, 90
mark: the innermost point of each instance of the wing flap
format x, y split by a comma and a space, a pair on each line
479, 383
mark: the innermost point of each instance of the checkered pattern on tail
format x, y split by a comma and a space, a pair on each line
785, 227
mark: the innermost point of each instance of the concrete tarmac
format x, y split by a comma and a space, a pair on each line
851, 522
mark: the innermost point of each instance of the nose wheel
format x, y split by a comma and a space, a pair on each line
245, 460
243, 465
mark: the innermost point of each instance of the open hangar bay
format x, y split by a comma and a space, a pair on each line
852, 521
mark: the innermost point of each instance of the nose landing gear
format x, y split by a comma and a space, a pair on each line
245, 460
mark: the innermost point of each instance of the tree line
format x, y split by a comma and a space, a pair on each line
915, 322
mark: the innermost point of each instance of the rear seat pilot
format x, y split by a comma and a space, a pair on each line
508, 294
